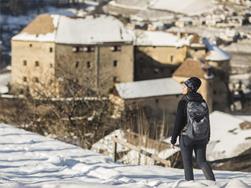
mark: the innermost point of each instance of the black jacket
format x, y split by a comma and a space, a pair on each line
181, 115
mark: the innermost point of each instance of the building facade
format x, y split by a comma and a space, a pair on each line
150, 106
158, 54
58, 55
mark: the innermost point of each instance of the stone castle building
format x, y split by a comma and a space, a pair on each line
55, 53
61, 56
158, 54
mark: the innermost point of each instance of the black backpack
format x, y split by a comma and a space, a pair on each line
198, 125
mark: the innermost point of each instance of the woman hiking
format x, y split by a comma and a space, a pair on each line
193, 128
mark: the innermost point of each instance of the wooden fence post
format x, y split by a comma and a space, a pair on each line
115, 145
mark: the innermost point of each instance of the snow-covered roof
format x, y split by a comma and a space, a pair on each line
92, 30
215, 53
188, 7
148, 88
227, 138
31, 160
159, 38
132, 4
43, 29
243, 46
70, 30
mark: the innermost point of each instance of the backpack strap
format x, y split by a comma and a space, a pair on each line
186, 99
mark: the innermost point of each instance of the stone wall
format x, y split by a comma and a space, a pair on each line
52, 69
33, 66
153, 62
96, 67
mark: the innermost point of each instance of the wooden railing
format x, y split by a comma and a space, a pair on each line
144, 141
155, 158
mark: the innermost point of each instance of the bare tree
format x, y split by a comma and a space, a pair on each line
81, 117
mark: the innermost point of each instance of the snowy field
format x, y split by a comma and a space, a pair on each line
31, 160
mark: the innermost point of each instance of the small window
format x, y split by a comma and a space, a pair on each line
36, 63
51, 49
116, 48
36, 79
115, 63
88, 49
24, 62
157, 101
115, 79
171, 58
88, 64
30, 45
156, 70
51, 65
77, 64
75, 49
25, 79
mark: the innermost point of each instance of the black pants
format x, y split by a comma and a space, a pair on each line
187, 147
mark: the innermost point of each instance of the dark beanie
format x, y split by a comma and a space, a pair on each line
193, 83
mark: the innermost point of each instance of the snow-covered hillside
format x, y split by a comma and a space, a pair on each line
30, 160
227, 138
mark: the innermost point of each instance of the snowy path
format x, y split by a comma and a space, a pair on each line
32, 160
